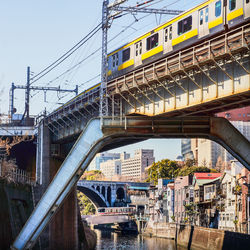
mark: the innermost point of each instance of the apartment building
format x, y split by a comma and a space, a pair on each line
180, 185
134, 167
111, 168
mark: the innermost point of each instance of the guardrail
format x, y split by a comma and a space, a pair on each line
16, 176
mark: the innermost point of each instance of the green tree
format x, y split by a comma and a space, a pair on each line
194, 169
86, 206
162, 169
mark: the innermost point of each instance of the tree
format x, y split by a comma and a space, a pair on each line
86, 206
194, 169
93, 175
190, 162
162, 169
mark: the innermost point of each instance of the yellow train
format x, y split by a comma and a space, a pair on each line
191, 27
206, 20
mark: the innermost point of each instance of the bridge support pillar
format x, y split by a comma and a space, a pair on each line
62, 231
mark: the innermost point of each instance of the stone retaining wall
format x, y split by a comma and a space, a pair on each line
199, 237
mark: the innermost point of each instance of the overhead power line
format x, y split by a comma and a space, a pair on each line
66, 55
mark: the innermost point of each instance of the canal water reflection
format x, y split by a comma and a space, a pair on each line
109, 240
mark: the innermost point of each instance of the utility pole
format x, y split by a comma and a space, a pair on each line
106, 16
27, 94
103, 90
29, 88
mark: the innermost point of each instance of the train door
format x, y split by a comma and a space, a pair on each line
138, 52
246, 8
203, 22
115, 62
168, 35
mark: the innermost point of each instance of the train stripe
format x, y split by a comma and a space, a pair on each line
163, 26
235, 14
152, 52
215, 23
126, 64
185, 37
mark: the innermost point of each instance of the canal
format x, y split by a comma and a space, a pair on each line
110, 240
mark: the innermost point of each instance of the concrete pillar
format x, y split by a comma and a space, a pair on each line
62, 232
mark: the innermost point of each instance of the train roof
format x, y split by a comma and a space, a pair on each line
161, 26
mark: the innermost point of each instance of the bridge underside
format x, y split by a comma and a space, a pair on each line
110, 131
95, 198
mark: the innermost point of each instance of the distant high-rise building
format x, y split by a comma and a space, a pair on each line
207, 152
102, 157
134, 167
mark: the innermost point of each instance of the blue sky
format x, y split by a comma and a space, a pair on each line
36, 33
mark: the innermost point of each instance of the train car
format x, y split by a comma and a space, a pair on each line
193, 26
116, 210
206, 20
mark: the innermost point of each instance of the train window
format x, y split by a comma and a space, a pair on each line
201, 17
218, 8
115, 60
138, 48
166, 34
152, 41
232, 4
125, 55
206, 15
185, 25
170, 33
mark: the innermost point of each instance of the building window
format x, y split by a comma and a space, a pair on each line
232, 4
218, 8
125, 55
184, 25
152, 41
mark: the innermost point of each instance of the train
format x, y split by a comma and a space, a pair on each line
116, 210
206, 20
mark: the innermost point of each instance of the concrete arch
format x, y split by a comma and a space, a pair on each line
107, 133
95, 198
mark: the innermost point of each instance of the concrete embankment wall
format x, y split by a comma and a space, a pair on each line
199, 237
15, 207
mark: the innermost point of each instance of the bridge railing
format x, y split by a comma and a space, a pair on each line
16, 176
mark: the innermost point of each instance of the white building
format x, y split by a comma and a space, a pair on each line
228, 206
134, 167
170, 202
111, 168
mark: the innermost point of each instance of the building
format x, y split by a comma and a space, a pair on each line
111, 168
180, 185
233, 214
208, 153
206, 187
186, 149
102, 157
168, 209
134, 167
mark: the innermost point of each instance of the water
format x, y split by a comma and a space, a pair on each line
109, 240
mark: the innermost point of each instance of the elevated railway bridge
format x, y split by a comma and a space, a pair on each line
175, 97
